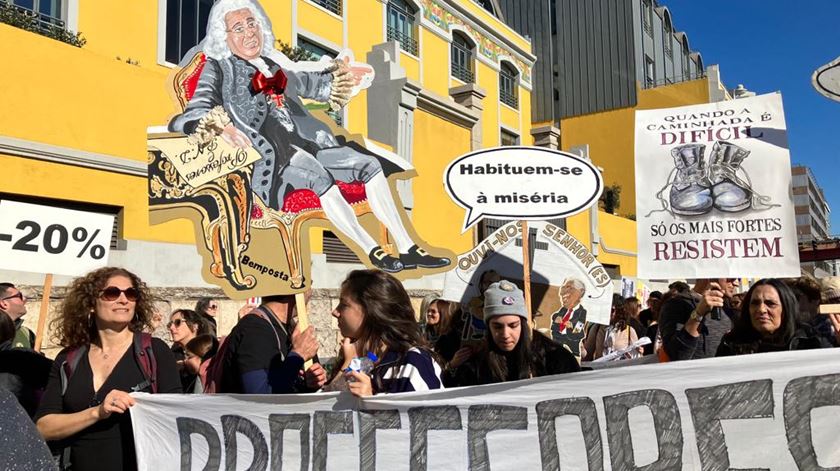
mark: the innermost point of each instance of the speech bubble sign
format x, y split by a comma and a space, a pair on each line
521, 183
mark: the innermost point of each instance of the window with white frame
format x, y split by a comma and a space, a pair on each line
317, 51
48, 13
401, 25
331, 5
461, 62
508, 85
186, 25
647, 16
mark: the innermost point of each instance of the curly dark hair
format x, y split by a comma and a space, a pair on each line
74, 326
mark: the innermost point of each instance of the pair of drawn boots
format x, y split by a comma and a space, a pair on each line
696, 189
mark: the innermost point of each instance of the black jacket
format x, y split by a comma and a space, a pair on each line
804, 338
679, 344
24, 373
550, 358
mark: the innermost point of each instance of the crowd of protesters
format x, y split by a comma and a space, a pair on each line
79, 401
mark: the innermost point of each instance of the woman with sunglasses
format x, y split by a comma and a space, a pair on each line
208, 309
100, 324
185, 325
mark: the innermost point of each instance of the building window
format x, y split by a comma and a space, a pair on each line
44, 17
401, 25
686, 63
668, 40
331, 5
186, 25
508, 84
647, 16
650, 72
316, 52
462, 58
509, 139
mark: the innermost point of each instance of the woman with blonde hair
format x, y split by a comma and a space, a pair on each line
107, 354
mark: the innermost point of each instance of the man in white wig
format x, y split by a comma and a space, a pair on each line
250, 94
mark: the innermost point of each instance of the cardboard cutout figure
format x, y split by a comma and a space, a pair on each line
256, 157
565, 276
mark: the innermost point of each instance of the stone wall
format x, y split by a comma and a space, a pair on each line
320, 307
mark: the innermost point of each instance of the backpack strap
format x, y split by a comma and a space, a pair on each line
263, 313
145, 357
68, 366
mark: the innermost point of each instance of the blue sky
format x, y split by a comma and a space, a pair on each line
770, 45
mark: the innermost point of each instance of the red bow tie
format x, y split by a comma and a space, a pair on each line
270, 86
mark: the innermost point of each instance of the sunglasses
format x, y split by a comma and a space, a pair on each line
213, 306
18, 295
112, 293
177, 323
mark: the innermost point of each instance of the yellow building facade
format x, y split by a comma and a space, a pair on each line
73, 129
609, 137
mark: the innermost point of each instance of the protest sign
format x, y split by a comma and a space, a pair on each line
250, 162
43, 239
773, 411
826, 80
565, 275
522, 183
713, 194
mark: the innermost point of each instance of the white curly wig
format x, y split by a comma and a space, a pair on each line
215, 42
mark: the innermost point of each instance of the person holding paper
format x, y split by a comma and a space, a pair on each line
107, 354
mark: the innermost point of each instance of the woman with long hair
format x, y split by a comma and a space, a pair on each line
768, 323
101, 324
375, 316
512, 350
439, 328
620, 334
208, 309
185, 325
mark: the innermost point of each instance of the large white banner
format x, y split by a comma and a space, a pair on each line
713, 195
774, 411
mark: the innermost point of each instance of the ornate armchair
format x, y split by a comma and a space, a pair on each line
229, 209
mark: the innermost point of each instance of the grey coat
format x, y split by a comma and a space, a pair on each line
227, 82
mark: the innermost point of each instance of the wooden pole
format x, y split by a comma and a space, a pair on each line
526, 272
45, 310
302, 318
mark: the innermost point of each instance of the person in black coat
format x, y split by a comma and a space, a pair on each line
511, 350
23, 371
768, 323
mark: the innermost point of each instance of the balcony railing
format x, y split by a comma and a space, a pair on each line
671, 80
407, 43
509, 98
331, 5
26, 19
462, 73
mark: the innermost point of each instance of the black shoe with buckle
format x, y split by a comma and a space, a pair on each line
381, 260
417, 257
